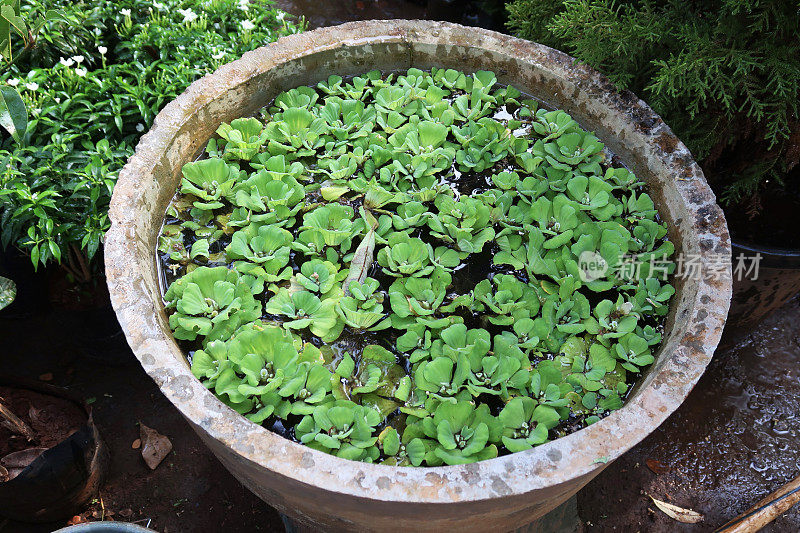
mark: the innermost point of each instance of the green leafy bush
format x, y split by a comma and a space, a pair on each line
417, 311
93, 80
725, 75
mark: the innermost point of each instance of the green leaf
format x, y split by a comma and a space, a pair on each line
346, 366
416, 451
431, 134
445, 435
373, 352
332, 193
13, 114
8, 291
390, 440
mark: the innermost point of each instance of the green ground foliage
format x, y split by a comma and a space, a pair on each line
93, 79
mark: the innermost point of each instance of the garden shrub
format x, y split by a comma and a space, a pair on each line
724, 74
96, 77
393, 269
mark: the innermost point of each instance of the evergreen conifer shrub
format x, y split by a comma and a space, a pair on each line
724, 74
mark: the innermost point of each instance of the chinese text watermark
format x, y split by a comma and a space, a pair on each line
593, 266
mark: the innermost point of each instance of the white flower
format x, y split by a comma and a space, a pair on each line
13, 81
159, 6
280, 16
67, 62
218, 55
32, 86
244, 5
181, 47
102, 50
188, 15
125, 12
140, 127
216, 25
78, 59
248, 25
80, 71
57, 99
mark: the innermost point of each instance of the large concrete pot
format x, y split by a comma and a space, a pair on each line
336, 494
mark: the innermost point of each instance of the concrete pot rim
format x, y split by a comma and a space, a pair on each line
549, 465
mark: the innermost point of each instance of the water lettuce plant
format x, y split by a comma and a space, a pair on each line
418, 269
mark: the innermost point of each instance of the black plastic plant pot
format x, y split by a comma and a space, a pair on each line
764, 279
59, 482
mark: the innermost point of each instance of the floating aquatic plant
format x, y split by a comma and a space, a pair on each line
418, 269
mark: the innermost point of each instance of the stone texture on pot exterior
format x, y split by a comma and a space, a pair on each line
334, 494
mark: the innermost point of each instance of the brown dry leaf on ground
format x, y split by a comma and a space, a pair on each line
155, 446
136, 444
686, 516
656, 466
22, 458
33, 414
16, 462
77, 519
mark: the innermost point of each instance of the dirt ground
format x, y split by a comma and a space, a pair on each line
189, 491
734, 440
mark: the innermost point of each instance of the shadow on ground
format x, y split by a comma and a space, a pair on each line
189, 491
733, 441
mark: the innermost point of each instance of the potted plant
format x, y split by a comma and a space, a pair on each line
353, 208
724, 78
213, 302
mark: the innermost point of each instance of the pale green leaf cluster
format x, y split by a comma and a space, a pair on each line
337, 277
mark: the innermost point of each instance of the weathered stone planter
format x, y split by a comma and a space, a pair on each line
336, 494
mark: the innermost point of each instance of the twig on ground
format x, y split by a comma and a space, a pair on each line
13, 423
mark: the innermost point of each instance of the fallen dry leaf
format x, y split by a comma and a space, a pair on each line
126, 513
77, 519
22, 458
16, 462
361, 262
33, 414
686, 516
47, 376
136, 444
656, 466
3, 474
155, 446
